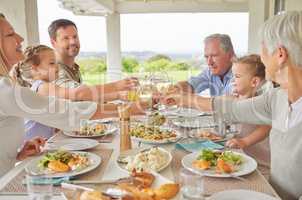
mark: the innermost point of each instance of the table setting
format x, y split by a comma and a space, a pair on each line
173, 149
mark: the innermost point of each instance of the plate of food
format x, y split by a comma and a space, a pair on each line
209, 134
156, 119
140, 185
194, 122
219, 163
77, 144
150, 159
63, 163
154, 134
239, 194
92, 129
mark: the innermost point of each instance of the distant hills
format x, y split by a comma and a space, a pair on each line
145, 55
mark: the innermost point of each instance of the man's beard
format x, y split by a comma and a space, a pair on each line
73, 52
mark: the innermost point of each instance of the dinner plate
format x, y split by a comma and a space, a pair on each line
163, 141
72, 144
196, 134
248, 166
183, 112
241, 195
134, 152
194, 122
110, 130
95, 161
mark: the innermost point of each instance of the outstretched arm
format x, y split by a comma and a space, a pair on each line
81, 93
257, 110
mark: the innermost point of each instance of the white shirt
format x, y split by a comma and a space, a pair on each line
17, 103
295, 113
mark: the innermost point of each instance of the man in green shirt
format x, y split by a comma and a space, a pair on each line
64, 38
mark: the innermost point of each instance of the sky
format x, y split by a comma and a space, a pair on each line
173, 33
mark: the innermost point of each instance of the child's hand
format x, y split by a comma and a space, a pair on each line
237, 143
31, 147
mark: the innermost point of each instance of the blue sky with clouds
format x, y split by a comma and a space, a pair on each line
177, 33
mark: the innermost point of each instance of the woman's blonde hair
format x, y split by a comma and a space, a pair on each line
21, 72
4, 66
254, 63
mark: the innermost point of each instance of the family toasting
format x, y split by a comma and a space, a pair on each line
42, 91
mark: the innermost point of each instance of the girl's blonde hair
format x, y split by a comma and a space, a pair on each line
4, 66
255, 65
21, 72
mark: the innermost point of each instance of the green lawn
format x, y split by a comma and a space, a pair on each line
92, 79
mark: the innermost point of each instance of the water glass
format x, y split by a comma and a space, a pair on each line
192, 185
39, 188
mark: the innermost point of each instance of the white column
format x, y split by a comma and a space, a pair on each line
258, 13
114, 58
32, 23
23, 15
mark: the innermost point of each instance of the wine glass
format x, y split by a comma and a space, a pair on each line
145, 93
162, 83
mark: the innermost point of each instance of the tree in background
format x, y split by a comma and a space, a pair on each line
159, 57
130, 65
92, 66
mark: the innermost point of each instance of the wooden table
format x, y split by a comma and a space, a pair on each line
112, 170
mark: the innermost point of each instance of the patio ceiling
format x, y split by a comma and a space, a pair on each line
104, 7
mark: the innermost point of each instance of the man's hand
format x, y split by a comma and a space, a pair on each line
126, 84
180, 99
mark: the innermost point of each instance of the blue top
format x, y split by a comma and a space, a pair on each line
206, 80
33, 128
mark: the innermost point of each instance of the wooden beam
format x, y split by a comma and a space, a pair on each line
128, 7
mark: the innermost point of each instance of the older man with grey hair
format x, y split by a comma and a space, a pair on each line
218, 52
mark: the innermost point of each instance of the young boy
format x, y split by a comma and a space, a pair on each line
249, 79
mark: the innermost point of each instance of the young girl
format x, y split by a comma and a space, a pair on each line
249, 79
39, 69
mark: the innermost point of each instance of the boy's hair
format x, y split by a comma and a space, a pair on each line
59, 23
255, 64
21, 72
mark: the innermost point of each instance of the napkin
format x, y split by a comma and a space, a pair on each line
198, 146
47, 181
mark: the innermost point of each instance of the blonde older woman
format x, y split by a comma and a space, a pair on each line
281, 107
17, 103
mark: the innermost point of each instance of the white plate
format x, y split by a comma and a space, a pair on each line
195, 134
163, 141
133, 152
72, 144
110, 130
248, 166
94, 159
241, 195
194, 122
183, 112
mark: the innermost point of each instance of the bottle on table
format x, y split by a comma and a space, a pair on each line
124, 115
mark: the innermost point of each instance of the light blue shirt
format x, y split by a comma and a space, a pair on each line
206, 80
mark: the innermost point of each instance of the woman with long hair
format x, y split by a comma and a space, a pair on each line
17, 103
